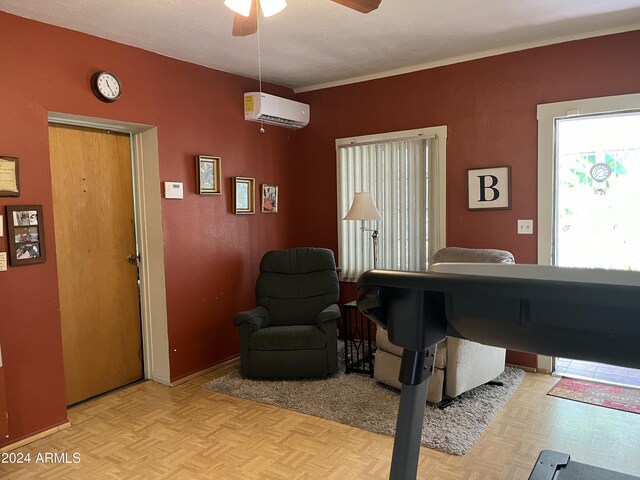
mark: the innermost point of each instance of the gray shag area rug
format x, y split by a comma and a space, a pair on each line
359, 401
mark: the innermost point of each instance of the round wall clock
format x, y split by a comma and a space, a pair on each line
106, 86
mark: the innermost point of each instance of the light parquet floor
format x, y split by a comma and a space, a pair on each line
148, 431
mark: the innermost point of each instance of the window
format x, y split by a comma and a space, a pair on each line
405, 172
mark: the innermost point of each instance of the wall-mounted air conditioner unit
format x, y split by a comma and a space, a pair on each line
262, 107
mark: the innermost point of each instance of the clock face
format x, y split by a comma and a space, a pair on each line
106, 86
600, 172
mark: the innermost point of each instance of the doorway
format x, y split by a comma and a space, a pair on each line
597, 170
93, 203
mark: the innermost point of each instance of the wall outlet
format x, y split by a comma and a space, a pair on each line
525, 227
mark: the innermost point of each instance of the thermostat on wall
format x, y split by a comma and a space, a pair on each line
173, 190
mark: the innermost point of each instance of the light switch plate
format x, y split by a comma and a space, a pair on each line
3, 261
173, 190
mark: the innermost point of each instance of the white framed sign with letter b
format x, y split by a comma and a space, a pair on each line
489, 188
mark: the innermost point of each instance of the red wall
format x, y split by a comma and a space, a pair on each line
211, 255
489, 106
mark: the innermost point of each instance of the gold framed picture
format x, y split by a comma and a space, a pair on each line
244, 195
209, 170
269, 202
9, 177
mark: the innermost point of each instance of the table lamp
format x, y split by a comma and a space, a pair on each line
364, 209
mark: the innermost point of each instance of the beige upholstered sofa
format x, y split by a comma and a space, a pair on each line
460, 365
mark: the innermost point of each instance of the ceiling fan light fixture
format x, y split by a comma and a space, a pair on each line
241, 7
271, 7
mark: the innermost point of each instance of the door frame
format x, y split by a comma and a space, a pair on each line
547, 114
148, 225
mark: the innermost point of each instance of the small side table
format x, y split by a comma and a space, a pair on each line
358, 346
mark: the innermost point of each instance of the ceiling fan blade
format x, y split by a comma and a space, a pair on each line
243, 26
363, 6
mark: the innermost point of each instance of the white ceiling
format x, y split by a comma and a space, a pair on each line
314, 43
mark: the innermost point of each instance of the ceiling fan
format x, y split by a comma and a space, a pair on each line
245, 19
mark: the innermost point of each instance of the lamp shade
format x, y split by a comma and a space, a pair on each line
271, 7
243, 7
363, 208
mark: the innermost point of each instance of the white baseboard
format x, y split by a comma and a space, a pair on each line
161, 380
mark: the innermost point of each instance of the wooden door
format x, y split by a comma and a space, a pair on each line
91, 174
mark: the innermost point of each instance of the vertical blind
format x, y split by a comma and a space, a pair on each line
396, 173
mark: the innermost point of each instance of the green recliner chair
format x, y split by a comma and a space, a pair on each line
292, 333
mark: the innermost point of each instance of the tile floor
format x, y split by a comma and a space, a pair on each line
597, 371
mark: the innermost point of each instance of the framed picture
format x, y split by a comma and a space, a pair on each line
489, 188
9, 177
208, 175
269, 203
244, 195
25, 232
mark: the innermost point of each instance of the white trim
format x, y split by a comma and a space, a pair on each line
98, 123
153, 303
438, 193
153, 293
467, 58
545, 364
547, 116
404, 135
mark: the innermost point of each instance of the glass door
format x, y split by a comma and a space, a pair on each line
597, 207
